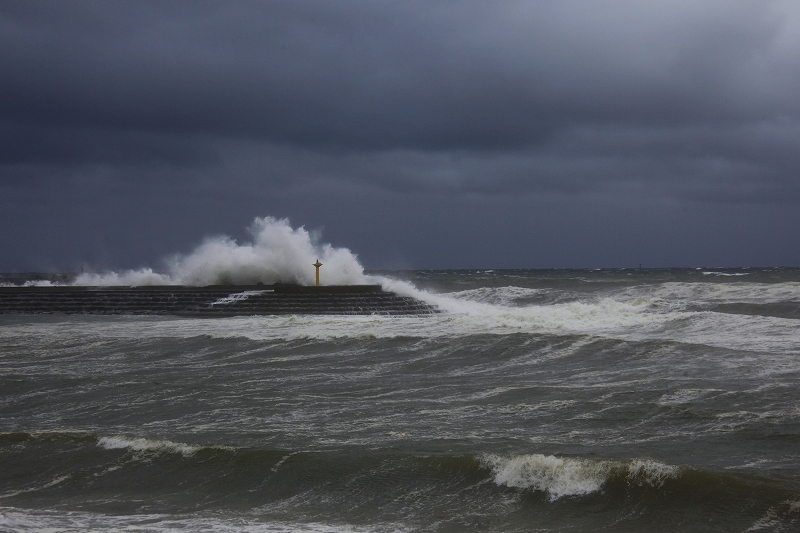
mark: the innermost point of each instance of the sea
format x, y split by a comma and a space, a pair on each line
624, 400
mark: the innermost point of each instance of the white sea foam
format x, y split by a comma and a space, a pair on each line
647, 312
653, 473
278, 253
604, 318
31, 283
482, 301
637, 313
560, 477
236, 297
502, 296
679, 295
47, 485
30, 520
132, 278
595, 316
146, 445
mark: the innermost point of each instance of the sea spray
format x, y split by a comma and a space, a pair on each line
278, 253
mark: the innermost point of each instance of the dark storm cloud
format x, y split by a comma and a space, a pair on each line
365, 75
22, 143
598, 105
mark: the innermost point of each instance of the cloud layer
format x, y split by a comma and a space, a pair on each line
662, 104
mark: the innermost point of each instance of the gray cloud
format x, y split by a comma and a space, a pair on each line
616, 103
387, 75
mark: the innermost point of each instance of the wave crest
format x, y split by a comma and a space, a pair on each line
560, 477
146, 445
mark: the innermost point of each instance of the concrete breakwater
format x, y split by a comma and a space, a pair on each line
211, 301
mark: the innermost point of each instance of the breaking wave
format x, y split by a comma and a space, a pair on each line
278, 253
146, 445
560, 477
164, 485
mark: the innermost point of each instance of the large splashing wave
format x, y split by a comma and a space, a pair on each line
278, 253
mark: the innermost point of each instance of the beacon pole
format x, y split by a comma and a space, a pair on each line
317, 265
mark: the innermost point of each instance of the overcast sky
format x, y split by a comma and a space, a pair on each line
435, 134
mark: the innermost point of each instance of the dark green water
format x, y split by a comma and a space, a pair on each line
540, 401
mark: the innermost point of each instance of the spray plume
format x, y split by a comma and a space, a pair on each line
278, 253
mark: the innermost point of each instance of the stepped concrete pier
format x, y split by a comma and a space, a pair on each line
211, 301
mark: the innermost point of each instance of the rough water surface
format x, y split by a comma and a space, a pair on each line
561, 400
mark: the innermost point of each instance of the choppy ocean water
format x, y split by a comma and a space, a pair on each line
563, 400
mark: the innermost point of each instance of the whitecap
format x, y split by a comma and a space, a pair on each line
14, 519
556, 476
560, 477
139, 444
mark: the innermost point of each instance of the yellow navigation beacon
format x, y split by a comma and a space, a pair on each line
317, 264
